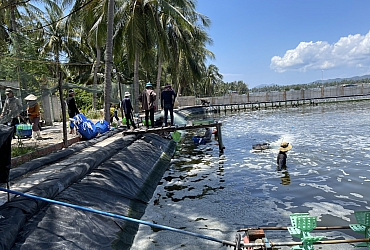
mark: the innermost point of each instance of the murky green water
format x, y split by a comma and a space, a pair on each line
327, 173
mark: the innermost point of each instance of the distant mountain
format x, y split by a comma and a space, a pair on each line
348, 79
265, 85
354, 78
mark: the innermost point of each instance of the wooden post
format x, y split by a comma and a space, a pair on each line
64, 116
8, 187
219, 135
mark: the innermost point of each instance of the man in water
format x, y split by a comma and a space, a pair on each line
207, 137
281, 158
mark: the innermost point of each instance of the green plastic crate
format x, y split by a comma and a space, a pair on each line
363, 217
23, 130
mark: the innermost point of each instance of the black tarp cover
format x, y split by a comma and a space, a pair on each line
121, 180
37, 163
5, 152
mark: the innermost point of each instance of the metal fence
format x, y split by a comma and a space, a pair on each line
284, 96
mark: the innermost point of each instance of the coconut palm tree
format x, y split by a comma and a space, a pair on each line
108, 60
189, 66
12, 12
57, 43
138, 29
211, 78
144, 32
92, 17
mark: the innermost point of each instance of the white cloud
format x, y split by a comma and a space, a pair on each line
351, 51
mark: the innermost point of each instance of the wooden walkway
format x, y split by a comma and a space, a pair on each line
218, 108
159, 130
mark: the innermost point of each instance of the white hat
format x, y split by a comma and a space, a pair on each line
31, 97
127, 93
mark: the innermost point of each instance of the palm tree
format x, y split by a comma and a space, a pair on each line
212, 77
191, 66
144, 32
11, 13
187, 46
55, 40
174, 26
108, 61
93, 20
137, 26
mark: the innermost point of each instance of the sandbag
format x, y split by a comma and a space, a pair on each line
198, 140
102, 126
85, 127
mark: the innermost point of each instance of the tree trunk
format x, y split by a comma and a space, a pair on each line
108, 61
136, 83
178, 90
64, 113
13, 29
13, 23
120, 92
95, 81
158, 89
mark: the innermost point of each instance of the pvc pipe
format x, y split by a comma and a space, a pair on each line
117, 216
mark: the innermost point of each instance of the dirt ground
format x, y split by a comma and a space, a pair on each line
50, 135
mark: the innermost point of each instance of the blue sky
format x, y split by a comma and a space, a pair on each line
288, 41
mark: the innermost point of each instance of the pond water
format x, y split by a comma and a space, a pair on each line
327, 176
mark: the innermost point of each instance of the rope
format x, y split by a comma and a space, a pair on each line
117, 216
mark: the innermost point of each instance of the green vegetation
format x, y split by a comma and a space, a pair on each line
20, 149
163, 42
97, 54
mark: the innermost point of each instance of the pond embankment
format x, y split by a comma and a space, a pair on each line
117, 174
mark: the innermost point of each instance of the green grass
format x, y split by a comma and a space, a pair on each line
20, 149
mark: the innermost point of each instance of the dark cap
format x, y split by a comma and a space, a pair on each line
70, 91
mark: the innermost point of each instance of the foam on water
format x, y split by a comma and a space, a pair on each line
326, 174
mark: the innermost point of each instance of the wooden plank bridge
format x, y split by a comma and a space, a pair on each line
218, 108
195, 125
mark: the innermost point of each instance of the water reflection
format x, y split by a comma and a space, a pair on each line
285, 177
327, 175
322, 137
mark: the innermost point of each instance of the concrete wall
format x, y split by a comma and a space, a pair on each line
57, 109
53, 110
47, 106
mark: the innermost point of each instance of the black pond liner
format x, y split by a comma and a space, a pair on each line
120, 179
39, 162
6, 133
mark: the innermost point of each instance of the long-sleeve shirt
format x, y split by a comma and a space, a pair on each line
34, 111
168, 96
126, 105
12, 107
148, 96
72, 108
208, 135
281, 159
